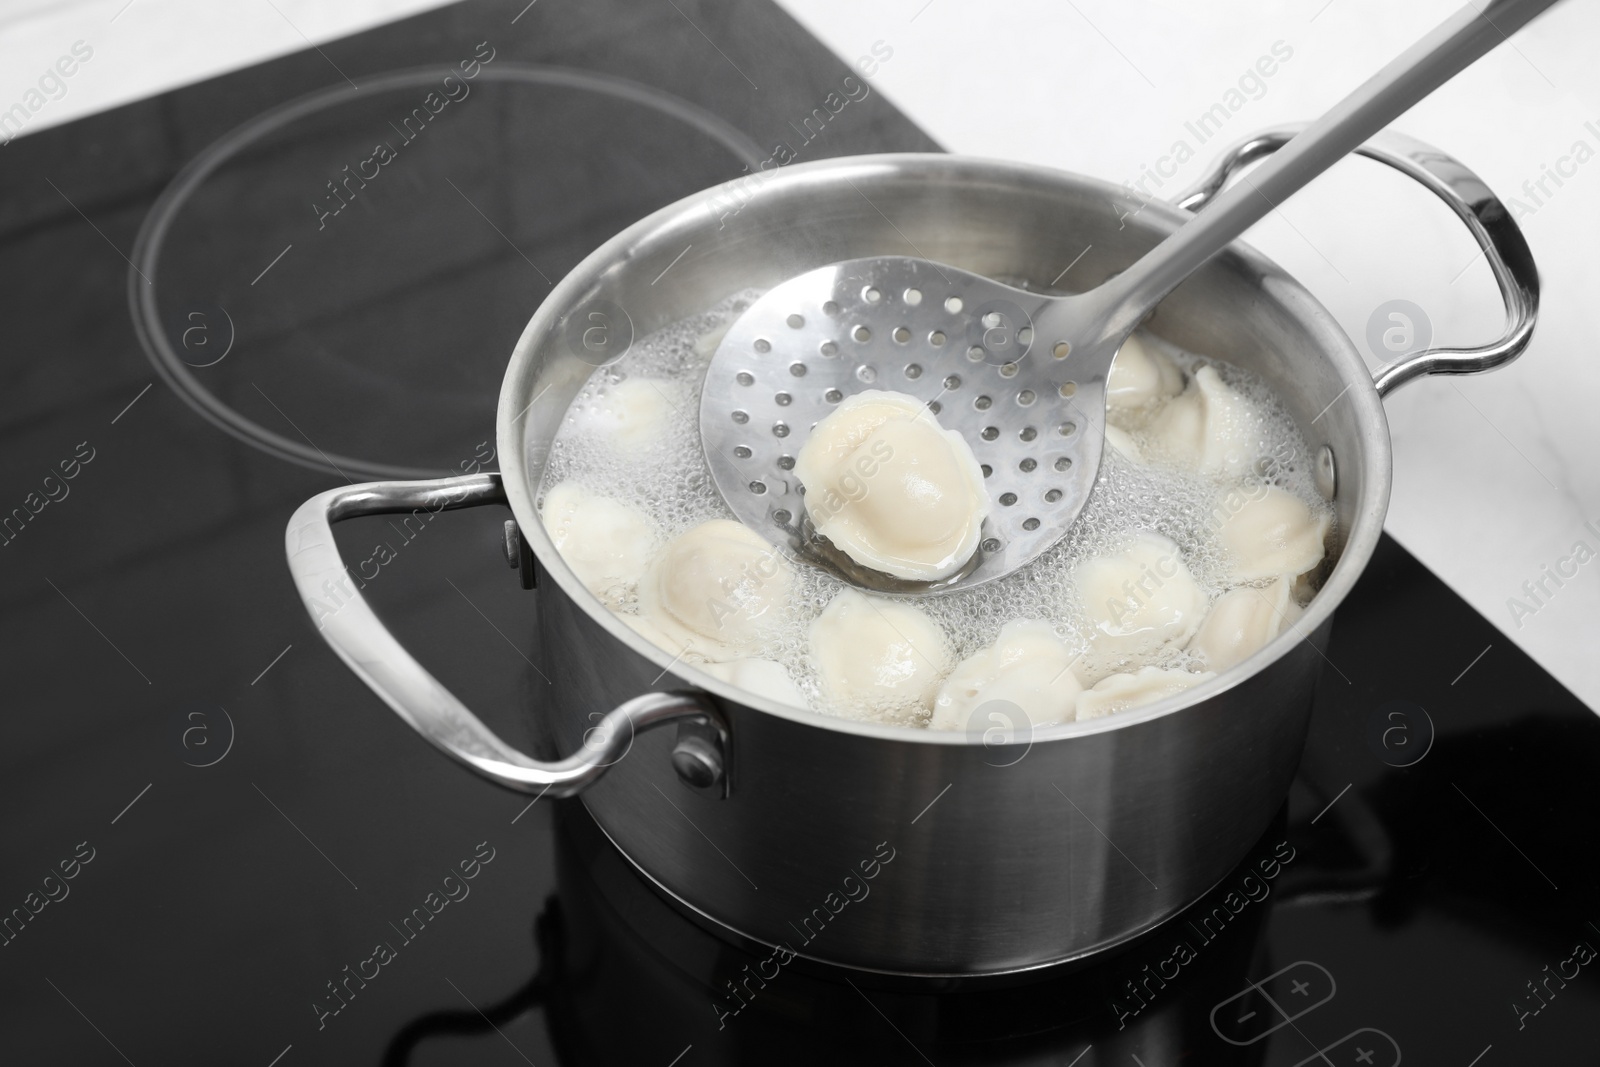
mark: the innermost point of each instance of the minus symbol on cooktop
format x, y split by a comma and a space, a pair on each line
1247, 1016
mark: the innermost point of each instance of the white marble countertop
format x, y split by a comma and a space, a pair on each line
1494, 476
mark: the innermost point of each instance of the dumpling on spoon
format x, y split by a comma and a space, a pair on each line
873, 654
1028, 666
718, 591
891, 489
606, 543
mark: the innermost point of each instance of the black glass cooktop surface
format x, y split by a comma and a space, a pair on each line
217, 840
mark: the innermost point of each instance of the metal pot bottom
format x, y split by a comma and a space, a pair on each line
623, 883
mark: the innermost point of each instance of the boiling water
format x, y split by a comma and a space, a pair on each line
671, 483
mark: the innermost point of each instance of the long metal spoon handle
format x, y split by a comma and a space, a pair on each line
1462, 39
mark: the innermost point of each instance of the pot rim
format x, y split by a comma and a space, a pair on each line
1360, 539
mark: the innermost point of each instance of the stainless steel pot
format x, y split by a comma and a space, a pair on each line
885, 848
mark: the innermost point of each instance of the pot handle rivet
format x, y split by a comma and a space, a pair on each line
1326, 473
697, 756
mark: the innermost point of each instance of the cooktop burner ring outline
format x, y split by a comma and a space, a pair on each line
149, 244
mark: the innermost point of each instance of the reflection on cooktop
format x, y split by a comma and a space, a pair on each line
225, 850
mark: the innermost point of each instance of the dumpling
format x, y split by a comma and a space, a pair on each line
1124, 442
656, 635
634, 416
1242, 621
1139, 599
891, 489
606, 543
1119, 692
1209, 428
1271, 532
875, 654
1028, 666
1141, 376
764, 677
718, 589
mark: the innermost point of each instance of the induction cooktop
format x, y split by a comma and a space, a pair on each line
217, 840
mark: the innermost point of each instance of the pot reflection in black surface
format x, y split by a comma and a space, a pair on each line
624, 974
548, 935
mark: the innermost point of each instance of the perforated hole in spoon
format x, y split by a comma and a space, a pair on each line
966, 346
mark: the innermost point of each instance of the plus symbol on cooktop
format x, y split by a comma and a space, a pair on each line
1363, 1055
1299, 988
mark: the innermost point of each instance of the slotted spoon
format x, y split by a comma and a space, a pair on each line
1021, 375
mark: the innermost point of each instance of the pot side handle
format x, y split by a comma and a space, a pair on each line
1491, 225
345, 620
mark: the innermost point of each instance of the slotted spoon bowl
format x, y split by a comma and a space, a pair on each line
954, 340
